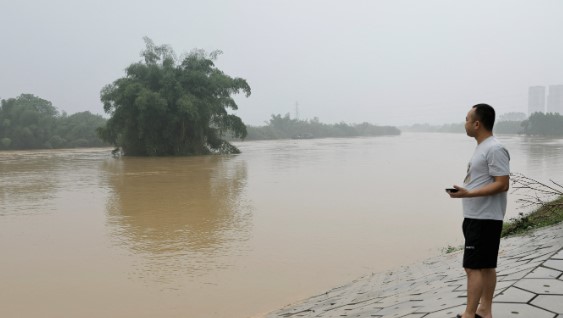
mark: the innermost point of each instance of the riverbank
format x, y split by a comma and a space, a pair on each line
529, 285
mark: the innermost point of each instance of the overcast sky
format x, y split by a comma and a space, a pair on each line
388, 62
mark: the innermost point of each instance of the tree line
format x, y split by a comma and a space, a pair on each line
30, 122
550, 124
164, 105
538, 124
285, 127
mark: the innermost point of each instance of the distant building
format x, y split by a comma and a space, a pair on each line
555, 99
536, 99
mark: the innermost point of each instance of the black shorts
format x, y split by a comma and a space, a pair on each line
482, 240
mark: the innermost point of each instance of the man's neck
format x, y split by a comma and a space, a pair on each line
481, 137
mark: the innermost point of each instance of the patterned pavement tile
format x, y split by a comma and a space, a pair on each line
504, 310
556, 264
541, 286
559, 255
542, 272
549, 302
514, 295
446, 313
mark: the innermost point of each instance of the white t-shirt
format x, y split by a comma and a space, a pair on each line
489, 160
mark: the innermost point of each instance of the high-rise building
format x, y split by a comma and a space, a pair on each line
536, 99
555, 99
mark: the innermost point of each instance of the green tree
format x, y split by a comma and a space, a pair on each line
508, 127
168, 107
78, 130
30, 122
550, 124
26, 122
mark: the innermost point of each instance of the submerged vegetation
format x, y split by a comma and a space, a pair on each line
30, 122
169, 106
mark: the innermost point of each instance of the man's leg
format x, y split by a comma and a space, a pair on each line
489, 277
474, 291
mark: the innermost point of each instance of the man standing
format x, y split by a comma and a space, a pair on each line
484, 206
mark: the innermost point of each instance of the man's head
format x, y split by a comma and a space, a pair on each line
480, 120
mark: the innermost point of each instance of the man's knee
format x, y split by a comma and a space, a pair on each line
489, 273
472, 271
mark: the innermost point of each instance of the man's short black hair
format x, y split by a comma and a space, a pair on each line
486, 115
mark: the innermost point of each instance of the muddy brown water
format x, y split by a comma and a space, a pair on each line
83, 234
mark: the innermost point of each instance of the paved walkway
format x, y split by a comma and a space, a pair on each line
530, 285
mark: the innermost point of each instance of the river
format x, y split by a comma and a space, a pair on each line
83, 234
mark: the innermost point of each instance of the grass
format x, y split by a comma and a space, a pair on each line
451, 249
549, 214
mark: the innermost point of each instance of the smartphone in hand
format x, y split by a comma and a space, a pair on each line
451, 190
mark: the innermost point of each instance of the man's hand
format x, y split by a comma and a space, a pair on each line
461, 192
500, 184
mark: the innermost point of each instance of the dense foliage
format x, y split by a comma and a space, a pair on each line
446, 128
538, 124
512, 116
168, 107
30, 122
286, 127
509, 127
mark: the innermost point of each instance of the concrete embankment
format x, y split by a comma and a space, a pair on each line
529, 274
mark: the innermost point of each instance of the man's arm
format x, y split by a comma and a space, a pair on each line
500, 184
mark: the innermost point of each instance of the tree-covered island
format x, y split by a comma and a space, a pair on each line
169, 106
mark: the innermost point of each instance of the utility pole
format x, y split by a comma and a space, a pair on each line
296, 110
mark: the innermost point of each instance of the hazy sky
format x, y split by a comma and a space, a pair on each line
388, 62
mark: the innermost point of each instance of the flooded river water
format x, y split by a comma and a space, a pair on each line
83, 234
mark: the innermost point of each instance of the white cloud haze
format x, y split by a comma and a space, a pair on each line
388, 62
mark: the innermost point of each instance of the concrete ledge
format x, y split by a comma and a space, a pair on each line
530, 285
